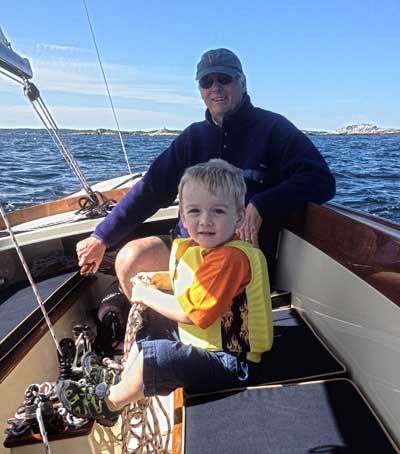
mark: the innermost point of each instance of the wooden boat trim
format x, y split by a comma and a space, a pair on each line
177, 430
367, 246
361, 215
58, 206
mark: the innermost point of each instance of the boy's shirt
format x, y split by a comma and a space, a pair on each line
223, 274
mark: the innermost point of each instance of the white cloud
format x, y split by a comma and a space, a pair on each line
127, 82
59, 48
168, 98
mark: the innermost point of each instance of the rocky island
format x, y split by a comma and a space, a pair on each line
365, 128
154, 132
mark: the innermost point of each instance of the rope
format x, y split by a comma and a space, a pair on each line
140, 424
108, 91
92, 210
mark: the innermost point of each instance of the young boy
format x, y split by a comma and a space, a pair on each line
220, 300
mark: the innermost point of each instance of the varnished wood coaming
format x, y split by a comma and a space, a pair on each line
367, 246
178, 421
59, 206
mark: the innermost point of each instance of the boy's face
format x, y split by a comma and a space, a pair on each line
211, 219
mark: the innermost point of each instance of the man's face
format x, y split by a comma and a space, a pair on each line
222, 98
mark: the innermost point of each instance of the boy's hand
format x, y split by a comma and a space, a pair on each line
140, 285
137, 290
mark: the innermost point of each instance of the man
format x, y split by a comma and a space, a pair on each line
282, 169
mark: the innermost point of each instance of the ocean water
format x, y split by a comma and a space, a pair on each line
367, 168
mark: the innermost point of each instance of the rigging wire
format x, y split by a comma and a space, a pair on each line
108, 91
30, 278
33, 94
90, 205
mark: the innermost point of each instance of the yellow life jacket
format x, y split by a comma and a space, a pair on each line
245, 328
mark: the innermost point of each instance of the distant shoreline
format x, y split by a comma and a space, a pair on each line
359, 129
99, 131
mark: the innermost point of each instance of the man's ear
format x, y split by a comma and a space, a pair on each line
244, 84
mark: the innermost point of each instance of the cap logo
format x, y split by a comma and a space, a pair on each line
210, 59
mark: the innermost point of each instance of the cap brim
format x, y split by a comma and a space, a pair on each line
217, 69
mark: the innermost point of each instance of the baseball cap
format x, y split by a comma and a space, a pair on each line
218, 61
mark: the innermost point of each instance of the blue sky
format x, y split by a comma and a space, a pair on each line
322, 64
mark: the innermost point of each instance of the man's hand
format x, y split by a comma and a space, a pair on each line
90, 252
251, 225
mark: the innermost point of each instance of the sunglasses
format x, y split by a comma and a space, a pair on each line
206, 82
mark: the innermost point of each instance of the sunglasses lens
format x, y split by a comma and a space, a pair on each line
224, 79
206, 82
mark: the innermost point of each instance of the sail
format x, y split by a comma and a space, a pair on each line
11, 61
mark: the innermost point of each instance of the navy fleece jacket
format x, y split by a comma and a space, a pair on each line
282, 168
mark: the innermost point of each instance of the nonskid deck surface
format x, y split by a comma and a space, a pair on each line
325, 416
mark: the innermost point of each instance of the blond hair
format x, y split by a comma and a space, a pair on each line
215, 175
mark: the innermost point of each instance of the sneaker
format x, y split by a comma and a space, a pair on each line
87, 401
96, 373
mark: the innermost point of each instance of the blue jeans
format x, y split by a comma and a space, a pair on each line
169, 364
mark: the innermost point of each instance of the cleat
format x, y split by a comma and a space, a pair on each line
87, 401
